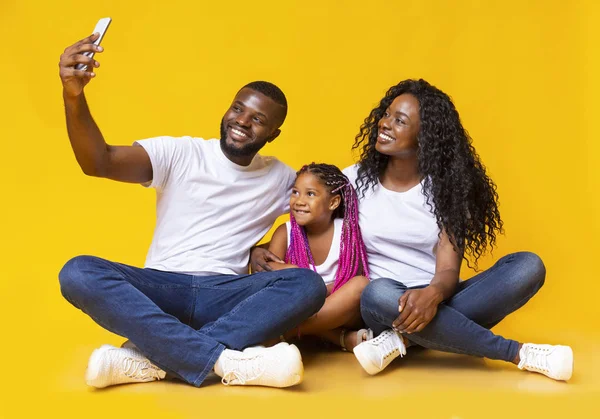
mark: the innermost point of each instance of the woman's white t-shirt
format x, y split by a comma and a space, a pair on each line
328, 268
400, 233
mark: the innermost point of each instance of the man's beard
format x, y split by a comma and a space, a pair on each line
246, 150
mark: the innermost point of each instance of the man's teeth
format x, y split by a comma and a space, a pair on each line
386, 137
238, 132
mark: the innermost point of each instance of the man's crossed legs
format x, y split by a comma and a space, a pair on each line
187, 325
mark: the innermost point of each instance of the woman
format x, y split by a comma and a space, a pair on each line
426, 203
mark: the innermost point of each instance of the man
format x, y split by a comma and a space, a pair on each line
193, 308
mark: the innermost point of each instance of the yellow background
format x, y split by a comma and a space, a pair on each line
524, 76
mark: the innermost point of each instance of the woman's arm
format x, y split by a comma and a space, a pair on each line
447, 268
418, 307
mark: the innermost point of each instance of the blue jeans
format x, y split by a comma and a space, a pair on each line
463, 322
181, 322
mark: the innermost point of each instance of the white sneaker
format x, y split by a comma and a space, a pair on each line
554, 361
109, 366
376, 354
277, 366
251, 349
129, 345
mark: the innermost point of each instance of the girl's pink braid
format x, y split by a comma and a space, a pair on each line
353, 255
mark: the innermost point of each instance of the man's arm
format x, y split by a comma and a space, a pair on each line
269, 256
95, 157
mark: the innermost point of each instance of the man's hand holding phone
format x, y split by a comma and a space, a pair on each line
77, 62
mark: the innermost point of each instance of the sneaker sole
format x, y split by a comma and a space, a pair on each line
299, 374
365, 362
92, 372
294, 376
567, 375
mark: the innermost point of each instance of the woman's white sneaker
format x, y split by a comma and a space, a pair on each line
554, 361
376, 354
109, 366
277, 366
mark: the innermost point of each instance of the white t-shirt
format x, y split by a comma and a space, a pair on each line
209, 210
328, 268
399, 231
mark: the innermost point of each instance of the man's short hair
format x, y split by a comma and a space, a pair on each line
270, 91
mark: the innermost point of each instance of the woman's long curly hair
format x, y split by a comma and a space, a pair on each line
464, 198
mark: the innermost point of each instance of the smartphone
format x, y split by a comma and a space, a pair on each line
101, 27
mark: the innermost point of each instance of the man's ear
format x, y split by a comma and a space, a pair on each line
335, 202
274, 135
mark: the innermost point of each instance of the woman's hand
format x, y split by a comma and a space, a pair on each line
417, 308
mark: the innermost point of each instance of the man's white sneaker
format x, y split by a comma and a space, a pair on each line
277, 366
109, 366
554, 361
376, 354
129, 345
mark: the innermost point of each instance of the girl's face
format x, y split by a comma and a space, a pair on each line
399, 127
311, 202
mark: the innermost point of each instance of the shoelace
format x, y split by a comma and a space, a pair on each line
243, 370
139, 370
536, 359
385, 343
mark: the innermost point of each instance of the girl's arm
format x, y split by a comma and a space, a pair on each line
278, 247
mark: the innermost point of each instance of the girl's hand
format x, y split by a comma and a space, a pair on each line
277, 266
417, 308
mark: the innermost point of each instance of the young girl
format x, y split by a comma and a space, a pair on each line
323, 235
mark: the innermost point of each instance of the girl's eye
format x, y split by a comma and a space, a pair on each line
311, 194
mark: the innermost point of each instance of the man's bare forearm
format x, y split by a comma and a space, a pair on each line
86, 139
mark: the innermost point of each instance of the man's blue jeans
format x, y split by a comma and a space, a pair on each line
181, 322
462, 323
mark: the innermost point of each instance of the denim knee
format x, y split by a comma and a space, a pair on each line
315, 286
311, 287
379, 291
531, 272
72, 277
379, 303
381, 294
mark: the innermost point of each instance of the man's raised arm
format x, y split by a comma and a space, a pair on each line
95, 157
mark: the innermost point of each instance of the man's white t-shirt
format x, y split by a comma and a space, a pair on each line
209, 210
400, 233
